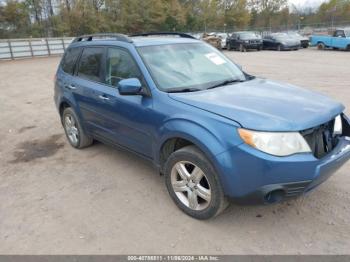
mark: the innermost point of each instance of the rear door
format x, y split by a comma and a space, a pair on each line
88, 84
65, 79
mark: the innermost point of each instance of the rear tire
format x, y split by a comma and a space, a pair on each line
193, 184
73, 129
229, 48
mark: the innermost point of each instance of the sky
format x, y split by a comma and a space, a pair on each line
306, 3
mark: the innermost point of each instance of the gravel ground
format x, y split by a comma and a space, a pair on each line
58, 200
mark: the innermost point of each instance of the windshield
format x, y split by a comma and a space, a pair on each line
249, 36
195, 66
281, 37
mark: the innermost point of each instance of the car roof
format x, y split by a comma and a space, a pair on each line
138, 41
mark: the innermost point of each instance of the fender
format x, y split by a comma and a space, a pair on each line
196, 132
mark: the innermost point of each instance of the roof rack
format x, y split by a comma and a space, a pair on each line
118, 37
164, 34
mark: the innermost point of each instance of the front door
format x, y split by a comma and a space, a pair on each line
118, 118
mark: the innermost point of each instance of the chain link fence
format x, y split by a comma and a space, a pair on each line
36, 47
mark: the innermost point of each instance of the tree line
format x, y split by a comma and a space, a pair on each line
40, 18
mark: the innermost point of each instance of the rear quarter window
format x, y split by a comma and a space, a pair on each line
69, 60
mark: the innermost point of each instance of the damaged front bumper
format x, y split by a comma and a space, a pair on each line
250, 176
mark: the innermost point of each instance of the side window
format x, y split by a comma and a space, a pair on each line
69, 60
90, 63
120, 65
339, 33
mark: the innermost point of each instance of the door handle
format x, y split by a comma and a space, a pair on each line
71, 87
103, 97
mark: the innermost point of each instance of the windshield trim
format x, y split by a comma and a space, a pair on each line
187, 87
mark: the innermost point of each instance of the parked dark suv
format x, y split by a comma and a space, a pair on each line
214, 131
243, 41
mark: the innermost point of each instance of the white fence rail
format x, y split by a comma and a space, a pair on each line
32, 47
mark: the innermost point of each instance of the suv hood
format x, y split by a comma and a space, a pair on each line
265, 105
291, 41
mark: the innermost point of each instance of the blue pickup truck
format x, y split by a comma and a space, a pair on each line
340, 39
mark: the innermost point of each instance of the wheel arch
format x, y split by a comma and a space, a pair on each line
187, 133
320, 43
65, 103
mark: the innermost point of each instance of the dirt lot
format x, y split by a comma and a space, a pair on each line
58, 200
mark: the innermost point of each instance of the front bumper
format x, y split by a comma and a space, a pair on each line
290, 47
253, 177
253, 46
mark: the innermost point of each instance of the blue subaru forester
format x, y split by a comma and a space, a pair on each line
214, 131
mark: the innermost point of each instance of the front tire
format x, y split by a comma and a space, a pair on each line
73, 129
193, 184
242, 48
321, 46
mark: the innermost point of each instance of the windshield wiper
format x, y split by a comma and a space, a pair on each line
183, 90
226, 82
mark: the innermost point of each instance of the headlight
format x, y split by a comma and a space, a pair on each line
275, 143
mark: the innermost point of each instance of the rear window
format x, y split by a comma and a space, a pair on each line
70, 59
90, 63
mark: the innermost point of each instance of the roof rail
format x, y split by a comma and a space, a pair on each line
118, 37
164, 34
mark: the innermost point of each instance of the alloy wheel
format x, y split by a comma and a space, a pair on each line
191, 185
71, 128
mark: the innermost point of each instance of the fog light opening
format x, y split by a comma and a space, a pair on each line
274, 196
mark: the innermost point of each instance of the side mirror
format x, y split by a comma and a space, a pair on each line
130, 86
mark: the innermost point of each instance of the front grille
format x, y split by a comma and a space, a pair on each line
321, 139
254, 41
